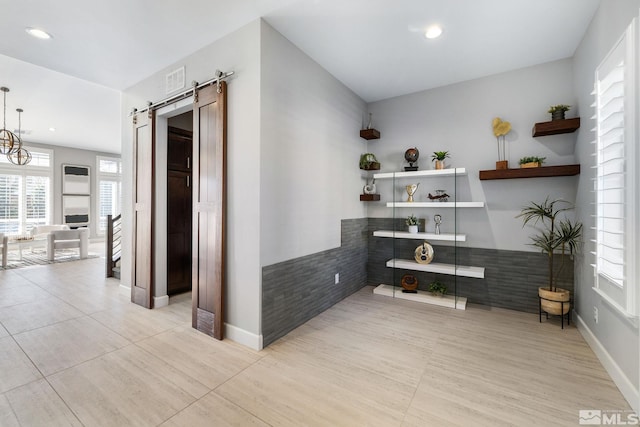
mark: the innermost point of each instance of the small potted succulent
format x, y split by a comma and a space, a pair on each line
531, 162
557, 111
438, 157
437, 289
412, 222
369, 162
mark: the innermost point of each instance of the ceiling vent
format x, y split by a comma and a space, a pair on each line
175, 80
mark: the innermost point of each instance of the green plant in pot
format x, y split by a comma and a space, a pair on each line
531, 161
437, 289
557, 111
412, 222
438, 157
555, 237
369, 162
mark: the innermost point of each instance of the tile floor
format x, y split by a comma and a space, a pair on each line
76, 352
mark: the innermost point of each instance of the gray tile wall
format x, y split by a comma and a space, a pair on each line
511, 278
297, 290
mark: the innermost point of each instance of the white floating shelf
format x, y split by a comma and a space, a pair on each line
447, 237
450, 301
435, 204
435, 267
433, 173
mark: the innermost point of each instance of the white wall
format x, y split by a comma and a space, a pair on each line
239, 52
615, 334
457, 118
310, 148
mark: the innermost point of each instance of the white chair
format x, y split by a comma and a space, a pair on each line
68, 239
5, 248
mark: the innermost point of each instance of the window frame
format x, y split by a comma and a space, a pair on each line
107, 176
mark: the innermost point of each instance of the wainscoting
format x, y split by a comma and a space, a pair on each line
297, 290
511, 278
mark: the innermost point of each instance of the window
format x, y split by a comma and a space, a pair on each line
110, 190
615, 182
25, 193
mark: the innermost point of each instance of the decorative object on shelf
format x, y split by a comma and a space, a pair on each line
411, 190
370, 188
409, 284
369, 132
411, 156
412, 222
557, 111
369, 162
441, 196
555, 235
437, 218
424, 253
500, 130
438, 157
531, 162
437, 289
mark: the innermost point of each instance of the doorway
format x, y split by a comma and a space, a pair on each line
179, 203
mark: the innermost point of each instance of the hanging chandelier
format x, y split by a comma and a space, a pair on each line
9, 142
21, 156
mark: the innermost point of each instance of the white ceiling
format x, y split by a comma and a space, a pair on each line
375, 47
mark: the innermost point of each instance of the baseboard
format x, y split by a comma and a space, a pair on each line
159, 302
125, 290
243, 337
625, 386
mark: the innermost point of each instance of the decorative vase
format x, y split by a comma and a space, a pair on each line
411, 190
502, 164
409, 284
555, 302
413, 229
530, 165
557, 115
439, 164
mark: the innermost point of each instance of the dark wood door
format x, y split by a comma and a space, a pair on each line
209, 192
179, 210
143, 182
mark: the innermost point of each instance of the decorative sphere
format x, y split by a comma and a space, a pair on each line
411, 155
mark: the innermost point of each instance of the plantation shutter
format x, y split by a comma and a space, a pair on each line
37, 195
9, 203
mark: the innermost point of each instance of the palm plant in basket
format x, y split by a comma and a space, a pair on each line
555, 237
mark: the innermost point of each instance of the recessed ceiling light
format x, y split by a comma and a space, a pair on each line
433, 32
41, 34
52, 129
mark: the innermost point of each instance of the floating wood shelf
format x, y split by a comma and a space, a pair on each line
369, 197
370, 134
542, 172
556, 127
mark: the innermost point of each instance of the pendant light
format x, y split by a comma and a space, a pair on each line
21, 156
9, 142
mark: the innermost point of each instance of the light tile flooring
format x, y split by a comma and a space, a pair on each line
76, 352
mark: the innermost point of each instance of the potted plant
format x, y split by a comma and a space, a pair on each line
438, 157
556, 237
369, 162
531, 162
437, 289
412, 222
557, 111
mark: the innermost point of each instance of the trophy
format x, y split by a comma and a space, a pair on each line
411, 190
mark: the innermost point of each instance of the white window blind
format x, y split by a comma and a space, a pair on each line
37, 196
109, 188
9, 204
616, 161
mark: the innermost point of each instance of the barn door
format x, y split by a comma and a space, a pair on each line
143, 173
209, 193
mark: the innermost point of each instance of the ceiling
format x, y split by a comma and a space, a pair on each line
375, 47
